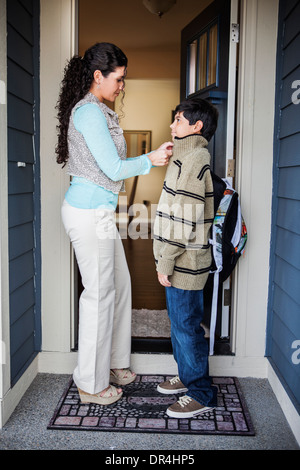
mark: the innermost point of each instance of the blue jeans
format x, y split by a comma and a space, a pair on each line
190, 348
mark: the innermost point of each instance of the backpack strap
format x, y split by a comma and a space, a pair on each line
214, 302
219, 189
213, 316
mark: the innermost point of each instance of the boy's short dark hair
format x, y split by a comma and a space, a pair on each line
200, 110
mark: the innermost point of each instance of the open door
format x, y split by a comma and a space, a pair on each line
208, 71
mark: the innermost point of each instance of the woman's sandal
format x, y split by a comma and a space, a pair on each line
122, 376
111, 395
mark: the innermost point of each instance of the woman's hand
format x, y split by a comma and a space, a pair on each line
161, 156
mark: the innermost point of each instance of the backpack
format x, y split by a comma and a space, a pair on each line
228, 240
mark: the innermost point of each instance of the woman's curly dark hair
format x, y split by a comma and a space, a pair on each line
77, 81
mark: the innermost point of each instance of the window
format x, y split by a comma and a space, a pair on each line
202, 67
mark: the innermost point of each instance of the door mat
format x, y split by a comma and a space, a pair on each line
143, 409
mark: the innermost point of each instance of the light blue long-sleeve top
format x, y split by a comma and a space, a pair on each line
83, 194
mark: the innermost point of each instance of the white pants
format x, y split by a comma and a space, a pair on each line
105, 303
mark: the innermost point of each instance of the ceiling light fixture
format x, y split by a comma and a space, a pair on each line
159, 7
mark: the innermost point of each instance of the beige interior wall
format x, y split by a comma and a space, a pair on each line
152, 44
154, 62
148, 106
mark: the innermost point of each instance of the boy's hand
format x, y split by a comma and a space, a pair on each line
163, 280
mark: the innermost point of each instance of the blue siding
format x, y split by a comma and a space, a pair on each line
284, 296
23, 182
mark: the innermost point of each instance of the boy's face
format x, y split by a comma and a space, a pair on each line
181, 126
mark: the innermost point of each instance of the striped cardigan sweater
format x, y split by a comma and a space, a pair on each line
184, 216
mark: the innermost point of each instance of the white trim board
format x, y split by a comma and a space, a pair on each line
64, 363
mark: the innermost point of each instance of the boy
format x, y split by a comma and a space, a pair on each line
182, 253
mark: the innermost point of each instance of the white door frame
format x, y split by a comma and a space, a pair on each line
59, 39
230, 131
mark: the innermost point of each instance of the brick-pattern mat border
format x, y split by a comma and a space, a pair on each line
143, 409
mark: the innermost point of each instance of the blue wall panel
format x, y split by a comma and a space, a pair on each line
20, 146
23, 182
284, 293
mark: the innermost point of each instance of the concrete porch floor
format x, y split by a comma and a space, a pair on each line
27, 427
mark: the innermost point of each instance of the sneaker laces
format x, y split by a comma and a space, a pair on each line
174, 380
185, 400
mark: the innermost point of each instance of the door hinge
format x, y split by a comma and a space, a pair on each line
231, 168
235, 32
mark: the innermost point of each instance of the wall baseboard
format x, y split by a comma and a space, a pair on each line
287, 406
12, 398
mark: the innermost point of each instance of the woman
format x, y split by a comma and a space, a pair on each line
92, 143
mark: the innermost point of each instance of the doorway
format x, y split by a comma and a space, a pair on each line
148, 296
150, 321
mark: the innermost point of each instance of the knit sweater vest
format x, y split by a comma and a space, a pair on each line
81, 161
184, 216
